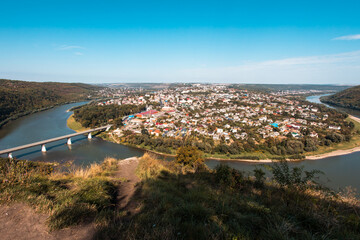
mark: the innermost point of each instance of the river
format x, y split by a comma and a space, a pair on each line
340, 171
52, 123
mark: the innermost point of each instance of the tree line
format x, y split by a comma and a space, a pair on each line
94, 115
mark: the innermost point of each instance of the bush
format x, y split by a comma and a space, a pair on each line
190, 156
228, 176
259, 177
292, 177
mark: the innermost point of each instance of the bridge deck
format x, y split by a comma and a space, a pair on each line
10, 150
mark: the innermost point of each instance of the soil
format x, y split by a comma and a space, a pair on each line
20, 221
127, 187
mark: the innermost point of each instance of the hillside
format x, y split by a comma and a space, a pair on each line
148, 198
348, 98
287, 87
20, 97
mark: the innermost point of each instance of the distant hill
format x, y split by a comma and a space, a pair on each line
348, 98
21, 97
252, 87
288, 87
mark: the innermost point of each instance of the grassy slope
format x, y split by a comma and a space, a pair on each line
174, 204
71, 197
179, 203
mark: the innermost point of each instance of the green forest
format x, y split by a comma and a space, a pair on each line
348, 98
96, 115
19, 98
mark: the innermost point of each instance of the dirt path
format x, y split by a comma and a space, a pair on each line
20, 221
127, 188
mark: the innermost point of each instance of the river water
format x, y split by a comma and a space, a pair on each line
340, 171
52, 123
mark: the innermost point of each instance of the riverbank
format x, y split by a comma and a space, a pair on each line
266, 160
74, 125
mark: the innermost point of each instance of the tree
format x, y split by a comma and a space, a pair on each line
189, 156
144, 131
118, 122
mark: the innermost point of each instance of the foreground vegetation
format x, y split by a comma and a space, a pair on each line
183, 199
72, 196
178, 201
18, 98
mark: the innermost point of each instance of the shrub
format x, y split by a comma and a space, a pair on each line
292, 177
259, 176
228, 176
190, 156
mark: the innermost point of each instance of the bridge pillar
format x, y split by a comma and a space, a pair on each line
43, 148
10, 155
69, 141
89, 135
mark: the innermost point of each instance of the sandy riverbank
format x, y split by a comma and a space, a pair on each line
354, 118
333, 153
313, 157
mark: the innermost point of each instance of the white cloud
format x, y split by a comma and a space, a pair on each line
322, 59
348, 37
69, 47
78, 53
334, 68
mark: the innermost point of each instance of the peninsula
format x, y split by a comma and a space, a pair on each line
224, 122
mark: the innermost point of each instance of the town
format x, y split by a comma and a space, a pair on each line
218, 119
220, 113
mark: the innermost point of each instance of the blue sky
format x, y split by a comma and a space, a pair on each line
181, 41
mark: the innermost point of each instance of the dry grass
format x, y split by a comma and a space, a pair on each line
149, 166
70, 197
104, 169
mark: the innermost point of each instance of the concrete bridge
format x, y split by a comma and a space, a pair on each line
42, 143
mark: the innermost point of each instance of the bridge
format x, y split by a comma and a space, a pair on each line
9, 151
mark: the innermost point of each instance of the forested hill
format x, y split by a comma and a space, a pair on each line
348, 98
21, 97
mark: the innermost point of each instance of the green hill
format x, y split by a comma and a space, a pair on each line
19, 98
348, 98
